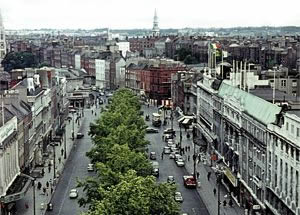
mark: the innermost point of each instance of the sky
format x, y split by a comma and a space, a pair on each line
122, 14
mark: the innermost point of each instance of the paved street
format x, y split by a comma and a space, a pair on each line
192, 204
74, 166
197, 201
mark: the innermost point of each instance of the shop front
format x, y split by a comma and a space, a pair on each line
231, 182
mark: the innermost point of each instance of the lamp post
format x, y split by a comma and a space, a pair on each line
172, 118
219, 177
54, 162
65, 142
194, 155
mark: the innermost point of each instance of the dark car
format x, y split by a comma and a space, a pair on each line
151, 130
169, 131
79, 135
152, 155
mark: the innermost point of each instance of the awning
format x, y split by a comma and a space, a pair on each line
181, 119
186, 121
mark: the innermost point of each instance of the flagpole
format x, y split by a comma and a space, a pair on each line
222, 63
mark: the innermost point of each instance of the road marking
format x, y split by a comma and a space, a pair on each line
59, 211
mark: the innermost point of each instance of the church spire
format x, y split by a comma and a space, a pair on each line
155, 29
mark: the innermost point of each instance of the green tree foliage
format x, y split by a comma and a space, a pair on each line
18, 60
182, 53
136, 195
123, 184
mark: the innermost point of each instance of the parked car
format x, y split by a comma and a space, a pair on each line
79, 135
155, 170
180, 162
171, 179
167, 150
73, 194
152, 155
172, 155
90, 167
178, 197
177, 156
167, 137
169, 131
151, 130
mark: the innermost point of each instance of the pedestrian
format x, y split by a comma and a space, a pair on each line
47, 184
59, 160
215, 191
224, 203
26, 205
39, 185
49, 168
188, 157
185, 148
148, 105
162, 137
198, 175
62, 152
92, 112
51, 190
162, 155
44, 190
208, 175
230, 203
43, 172
189, 148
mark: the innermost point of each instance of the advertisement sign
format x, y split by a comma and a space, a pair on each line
231, 177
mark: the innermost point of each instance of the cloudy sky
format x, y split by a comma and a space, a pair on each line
88, 14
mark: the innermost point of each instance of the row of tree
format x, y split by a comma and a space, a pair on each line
124, 183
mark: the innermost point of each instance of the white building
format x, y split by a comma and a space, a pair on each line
283, 165
9, 158
100, 73
123, 47
120, 72
77, 61
2, 40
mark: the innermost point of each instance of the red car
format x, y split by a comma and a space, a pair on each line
189, 181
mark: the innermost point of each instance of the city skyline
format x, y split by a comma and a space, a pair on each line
67, 14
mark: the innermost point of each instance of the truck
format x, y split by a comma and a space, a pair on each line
189, 181
156, 121
155, 170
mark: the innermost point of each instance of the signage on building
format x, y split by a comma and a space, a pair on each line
8, 128
231, 177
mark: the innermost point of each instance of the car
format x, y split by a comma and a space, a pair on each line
90, 167
178, 197
171, 179
170, 144
151, 130
155, 170
73, 194
167, 137
189, 181
152, 155
169, 131
174, 148
177, 156
180, 162
172, 155
79, 135
167, 150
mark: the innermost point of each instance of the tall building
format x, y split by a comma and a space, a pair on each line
2, 40
155, 29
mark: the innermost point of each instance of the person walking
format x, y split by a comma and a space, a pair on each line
162, 155
62, 151
44, 190
198, 175
59, 160
188, 158
47, 184
215, 191
208, 175
26, 205
43, 172
49, 168
39, 185
224, 203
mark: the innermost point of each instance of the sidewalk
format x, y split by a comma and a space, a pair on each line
41, 198
206, 189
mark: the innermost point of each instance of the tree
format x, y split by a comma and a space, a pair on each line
136, 195
182, 53
18, 60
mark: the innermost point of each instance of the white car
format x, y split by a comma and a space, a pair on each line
167, 150
73, 194
180, 162
90, 167
172, 155
177, 156
178, 197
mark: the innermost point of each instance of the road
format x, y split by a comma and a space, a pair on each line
76, 168
192, 203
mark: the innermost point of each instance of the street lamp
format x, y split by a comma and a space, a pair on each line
65, 141
54, 163
194, 155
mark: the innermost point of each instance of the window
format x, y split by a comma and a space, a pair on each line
287, 126
292, 129
283, 83
298, 132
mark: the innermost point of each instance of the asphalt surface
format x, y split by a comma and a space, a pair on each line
76, 168
192, 204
